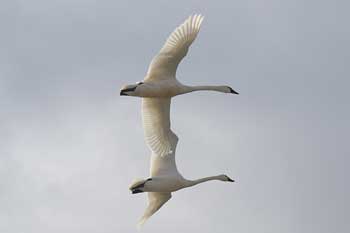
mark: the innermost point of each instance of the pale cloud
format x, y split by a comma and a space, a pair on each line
70, 145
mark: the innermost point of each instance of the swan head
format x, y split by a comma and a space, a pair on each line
230, 90
131, 90
225, 178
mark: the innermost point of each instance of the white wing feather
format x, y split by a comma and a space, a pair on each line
156, 123
164, 64
155, 201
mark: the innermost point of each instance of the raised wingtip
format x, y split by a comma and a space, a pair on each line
200, 16
196, 16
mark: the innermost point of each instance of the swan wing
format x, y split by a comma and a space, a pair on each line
164, 64
156, 123
155, 201
161, 140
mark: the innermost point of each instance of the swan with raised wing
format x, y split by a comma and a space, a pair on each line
157, 89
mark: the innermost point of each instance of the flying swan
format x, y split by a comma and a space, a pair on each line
156, 90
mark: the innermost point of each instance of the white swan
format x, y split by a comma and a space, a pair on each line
159, 85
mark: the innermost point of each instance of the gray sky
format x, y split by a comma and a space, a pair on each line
70, 145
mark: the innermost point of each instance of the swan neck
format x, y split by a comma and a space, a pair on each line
201, 180
205, 88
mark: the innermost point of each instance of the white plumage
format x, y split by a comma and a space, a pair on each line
157, 89
164, 64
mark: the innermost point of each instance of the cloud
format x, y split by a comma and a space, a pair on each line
70, 145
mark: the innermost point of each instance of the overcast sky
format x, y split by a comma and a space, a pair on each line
70, 145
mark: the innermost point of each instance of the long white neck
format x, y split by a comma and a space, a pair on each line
224, 89
190, 183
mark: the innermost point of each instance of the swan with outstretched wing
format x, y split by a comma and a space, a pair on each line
156, 90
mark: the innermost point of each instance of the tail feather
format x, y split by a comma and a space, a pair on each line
135, 183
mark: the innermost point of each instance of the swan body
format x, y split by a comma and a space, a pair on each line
157, 89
